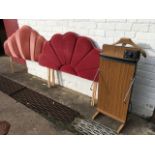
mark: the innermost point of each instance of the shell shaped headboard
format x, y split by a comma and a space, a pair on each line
71, 53
24, 44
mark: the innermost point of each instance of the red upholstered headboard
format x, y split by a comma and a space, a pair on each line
71, 53
24, 44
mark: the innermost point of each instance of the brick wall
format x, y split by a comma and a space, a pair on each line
102, 31
109, 31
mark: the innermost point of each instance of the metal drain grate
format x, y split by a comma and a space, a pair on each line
88, 127
45, 106
9, 87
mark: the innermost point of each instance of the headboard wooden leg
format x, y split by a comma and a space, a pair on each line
94, 92
11, 65
53, 77
49, 78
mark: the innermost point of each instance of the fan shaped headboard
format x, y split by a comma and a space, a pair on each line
24, 44
71, 53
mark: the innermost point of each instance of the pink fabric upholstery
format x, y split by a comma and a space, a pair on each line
71, 53
8, 52
24, 44
23, 41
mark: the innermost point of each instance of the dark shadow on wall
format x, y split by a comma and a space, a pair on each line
150, 52
2, 37
59, 76
144, 45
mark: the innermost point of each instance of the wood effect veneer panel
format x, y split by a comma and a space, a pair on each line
114, 81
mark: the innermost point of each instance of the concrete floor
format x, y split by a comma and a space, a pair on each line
26, 121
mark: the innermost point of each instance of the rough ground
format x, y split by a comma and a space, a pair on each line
26, 121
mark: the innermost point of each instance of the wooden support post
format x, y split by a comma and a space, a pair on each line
94, 92
95, 115
92, 99
11, 65
120, 128
53, 78
49, 78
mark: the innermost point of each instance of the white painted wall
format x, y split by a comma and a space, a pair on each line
64, 79
109, 31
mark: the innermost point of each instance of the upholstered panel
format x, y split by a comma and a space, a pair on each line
68, 69
57, 44
40, 41
23, 41
82, 48
12, 45
6, 48
71, 53
48, 57
33, 38
88, 65
69, 41
8, 52
24, 44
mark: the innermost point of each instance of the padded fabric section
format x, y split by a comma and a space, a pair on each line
88, 74
69, 42
40, 41
33, 38
63, 46
6, 48
57, 44
24, 44
72, 54
89, 64
7, 51
48, 58
82, 48
23, 41
68, 69
13, 47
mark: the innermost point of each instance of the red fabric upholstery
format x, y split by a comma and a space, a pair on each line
24, 44
40, 41
71, 53
49, 55
68, 69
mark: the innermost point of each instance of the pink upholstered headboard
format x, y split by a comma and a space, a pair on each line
24, 44
71, 53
